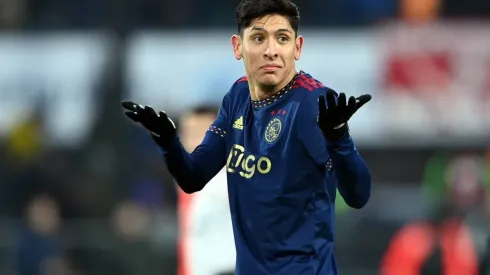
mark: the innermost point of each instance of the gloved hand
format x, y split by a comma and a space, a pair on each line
161, 127
333, 115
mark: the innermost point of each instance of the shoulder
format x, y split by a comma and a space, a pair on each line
307, 83
239, 88
310, 89
242, 79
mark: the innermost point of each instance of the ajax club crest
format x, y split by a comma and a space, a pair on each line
273, 130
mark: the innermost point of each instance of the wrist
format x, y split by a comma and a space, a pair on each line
164, 141
337, 133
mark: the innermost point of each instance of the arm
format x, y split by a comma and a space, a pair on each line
193, 171
350, 170
354, 177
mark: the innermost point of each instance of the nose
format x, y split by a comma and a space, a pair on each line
271, 51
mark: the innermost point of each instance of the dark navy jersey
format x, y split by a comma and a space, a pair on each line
282, 177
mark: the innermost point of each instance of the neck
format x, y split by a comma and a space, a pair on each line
260, 92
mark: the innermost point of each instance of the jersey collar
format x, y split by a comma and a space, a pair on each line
273, 98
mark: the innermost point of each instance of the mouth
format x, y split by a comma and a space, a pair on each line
270, 67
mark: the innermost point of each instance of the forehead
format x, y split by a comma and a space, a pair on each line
271, 22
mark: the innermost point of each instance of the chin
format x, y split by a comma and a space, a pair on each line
269, 80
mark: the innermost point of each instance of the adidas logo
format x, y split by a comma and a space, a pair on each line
238, 124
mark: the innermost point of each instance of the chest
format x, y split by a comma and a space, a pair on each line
261, 139
265, 130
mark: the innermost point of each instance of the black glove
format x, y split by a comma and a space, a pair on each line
161, 127
333, 116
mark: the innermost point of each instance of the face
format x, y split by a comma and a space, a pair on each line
269, 48
43, 215
193, 129
131, 220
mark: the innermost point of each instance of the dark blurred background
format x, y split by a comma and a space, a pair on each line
85, 192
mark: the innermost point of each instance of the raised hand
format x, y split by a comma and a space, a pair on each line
161, 127
333, 115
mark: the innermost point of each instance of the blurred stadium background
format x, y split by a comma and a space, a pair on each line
84, 192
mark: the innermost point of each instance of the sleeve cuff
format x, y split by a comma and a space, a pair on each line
344, 146
172, 146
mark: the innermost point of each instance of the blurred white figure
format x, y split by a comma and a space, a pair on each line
206, 244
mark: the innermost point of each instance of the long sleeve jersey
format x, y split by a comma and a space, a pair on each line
282, 177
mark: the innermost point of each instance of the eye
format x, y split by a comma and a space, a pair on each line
258, 38
283, 39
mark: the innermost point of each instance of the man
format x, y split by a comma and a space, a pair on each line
206, 245
39, 249
285, 151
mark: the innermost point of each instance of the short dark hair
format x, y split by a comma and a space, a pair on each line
248, 10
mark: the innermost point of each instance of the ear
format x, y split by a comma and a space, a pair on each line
236, 41
299, 47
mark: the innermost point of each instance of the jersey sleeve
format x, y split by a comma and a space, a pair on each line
221, 125
192, 171
349, 169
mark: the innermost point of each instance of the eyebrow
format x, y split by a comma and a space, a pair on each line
256, 28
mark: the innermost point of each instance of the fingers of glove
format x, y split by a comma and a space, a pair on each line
150, 112
132, 115
342, 100
131, 106
363, 99
352, 105
148, 117
163, 117
331, 99
172, 122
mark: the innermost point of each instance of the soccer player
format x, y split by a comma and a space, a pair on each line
206, 245
284, 138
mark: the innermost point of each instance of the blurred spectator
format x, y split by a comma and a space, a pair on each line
420, 10
148, 193
39, 250
25, 141
448, 242
56, 266
132, 253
